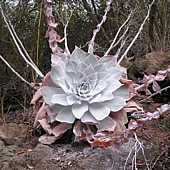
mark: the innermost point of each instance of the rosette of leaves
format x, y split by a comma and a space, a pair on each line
85, 93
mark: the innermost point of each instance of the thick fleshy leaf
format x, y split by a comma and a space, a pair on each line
73, 78
112, 86
92, 78
60, 129
122, 92
37, 96
51, 113
47, 81
79, 109
91, 59
106, 93
89, 118
101, 85
102, 97
116, 104
89, 70
99, 110
65, 115
45, 125
107, 124
59, 77
103, 75
54, 95
78, 55
71, 99
41, 114
47, 139
71, 66
107, 71
81, 67
59, 99
120, 116
58, 73
117, 71
58, 59
99, 68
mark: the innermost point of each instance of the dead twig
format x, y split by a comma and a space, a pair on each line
154, 94
38, 32
91, 44
117, 34
15, 72
65, 34
157, 159
137, 34
19, 45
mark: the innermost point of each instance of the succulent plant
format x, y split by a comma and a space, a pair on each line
86, 88
85, 92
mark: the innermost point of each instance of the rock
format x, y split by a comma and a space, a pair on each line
72, 158
12, 133
1, 145
150, 63
67, 157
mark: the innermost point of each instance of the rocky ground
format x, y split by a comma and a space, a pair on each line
19, 151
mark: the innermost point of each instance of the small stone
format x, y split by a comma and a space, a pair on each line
13, 133
69, 163
1, 145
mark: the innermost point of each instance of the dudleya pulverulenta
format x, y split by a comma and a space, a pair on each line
85, 87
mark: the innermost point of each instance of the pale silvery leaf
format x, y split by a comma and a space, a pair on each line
91, 59
54, 95
99, 110
79, 109
116, 104
65, 115
71, 65
106, 93
59, 99
89, 118
78, 55
107, 124
102, 97
58, 77
72, 99
122, 92
101, 85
